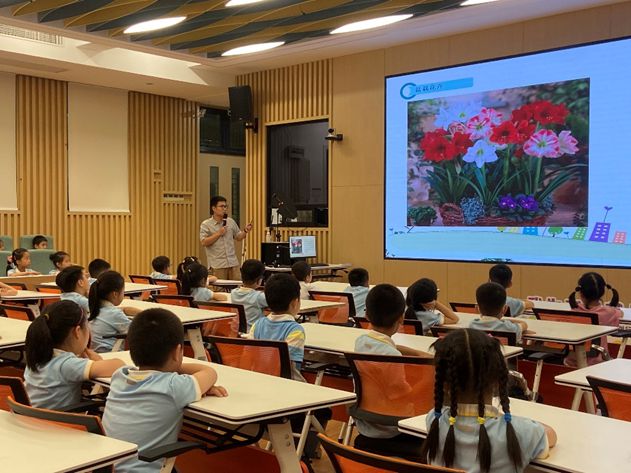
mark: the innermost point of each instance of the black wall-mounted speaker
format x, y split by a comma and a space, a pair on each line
241, 103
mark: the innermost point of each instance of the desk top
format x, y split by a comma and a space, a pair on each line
586, 443
12, 333
30, 281
24, 295
336, 339
306, 305
331, 286
328, 267
33, 446
618, 370
130, 287
254, 397
547, 331
626, 318
187, 315
226, 283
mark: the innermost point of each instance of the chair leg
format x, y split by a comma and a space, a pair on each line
303, 434
623, 346
341, 435
537, 381
167, 465
349, 431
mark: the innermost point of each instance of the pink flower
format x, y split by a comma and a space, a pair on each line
457, 127
567, 143
479, 127
543, 144
493, 116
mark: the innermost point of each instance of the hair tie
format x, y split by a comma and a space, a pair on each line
452, 420
481, 420
577, 289
46, 316
608, 286
508, 417
437, 414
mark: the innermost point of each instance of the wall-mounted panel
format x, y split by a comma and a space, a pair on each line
8, 161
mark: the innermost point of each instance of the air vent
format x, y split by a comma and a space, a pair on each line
23, 33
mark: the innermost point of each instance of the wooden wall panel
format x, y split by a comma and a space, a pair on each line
290, 94
162, 157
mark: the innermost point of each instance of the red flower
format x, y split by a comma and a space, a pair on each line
437, 147
505, 133
524, 130
519, 152
546, 112
462, 142
522, 113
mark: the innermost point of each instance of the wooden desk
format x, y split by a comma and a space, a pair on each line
131, 288
306, 305
328, 267
12, 333
338, 340
586, 443
228, 284
30, 281
191, 318
255, 398
29, 295
618, 370
331, 286
34, 446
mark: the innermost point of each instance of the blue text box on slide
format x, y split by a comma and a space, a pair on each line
411, 90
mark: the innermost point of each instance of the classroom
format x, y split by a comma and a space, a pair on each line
322, 236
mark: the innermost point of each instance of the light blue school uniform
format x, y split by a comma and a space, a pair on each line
377, 343
78, 299
516, 306
202, 294
500, 325
429, 318
110, 321
57, 384
157, 275
359, 298
145, 408
16, 270
252, 300
53, 272
284, 328
531, 435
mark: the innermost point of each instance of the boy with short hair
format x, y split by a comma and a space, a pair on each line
491, 301
96, 267
358, 286
145, 404
302, 272
253, 301
74, 285
161, 268
40, 242
503, 275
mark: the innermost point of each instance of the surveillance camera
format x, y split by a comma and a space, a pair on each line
332, 136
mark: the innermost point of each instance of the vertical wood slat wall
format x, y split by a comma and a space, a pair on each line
290, 94
162, 157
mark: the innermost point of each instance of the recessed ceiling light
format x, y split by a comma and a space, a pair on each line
467, 3
253, 48
238, 3
372, 23
156, 24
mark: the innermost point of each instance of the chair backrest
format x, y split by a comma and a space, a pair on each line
8, 243
572, 316
173, 286
140, 279
391, 386
229, 327
84, 422
40, 260
614, 399
505, 338
48, 290
263, 356
19, 286
26, 241
362, 322
18, 312
335, 315
464, 307
346, 459
12, 387
409, 326
182, 301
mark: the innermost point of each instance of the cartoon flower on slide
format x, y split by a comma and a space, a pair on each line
481, 152
437, 147
543, 144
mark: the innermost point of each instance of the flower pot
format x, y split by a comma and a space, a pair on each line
452, 215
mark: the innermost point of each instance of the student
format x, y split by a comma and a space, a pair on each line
96, 267
422, 303
253, 301
145, 405
503, 275
106, 318
60, 260
185, 263
302, 272
58, 360
6, 290
74, 285
465, 430
358, 286
194, 283
161, 268
40, 242
491, 299
19, 263
591, 289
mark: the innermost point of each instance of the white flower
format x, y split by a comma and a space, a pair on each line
481, 152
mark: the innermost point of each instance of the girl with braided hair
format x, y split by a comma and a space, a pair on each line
464, 428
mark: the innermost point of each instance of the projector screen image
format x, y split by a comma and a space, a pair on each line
523, 159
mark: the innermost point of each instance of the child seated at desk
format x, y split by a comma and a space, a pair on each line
145, 404
74, 285
491, 300
60, 260
253, 301
503, 275
39, 242
106, 318
161, 268
96, 267
19, 263
465, 430
194, 283
58, 360
185, 263
422, 303
302, 272
358, 286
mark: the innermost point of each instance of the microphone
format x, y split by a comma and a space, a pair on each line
225, 219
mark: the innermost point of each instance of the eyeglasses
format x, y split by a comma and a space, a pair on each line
222, 206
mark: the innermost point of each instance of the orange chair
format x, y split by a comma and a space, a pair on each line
263, 356
409, 326
173, 286
505, 338
464, 307
12, 387
572, 316
18, 286
18, 312
139, 279
182, 301
236, 460
350, 460
335, 315
229, 327
614, 399
48, 290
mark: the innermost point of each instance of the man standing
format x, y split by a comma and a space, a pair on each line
217, 235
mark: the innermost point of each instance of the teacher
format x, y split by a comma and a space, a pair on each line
217, 235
